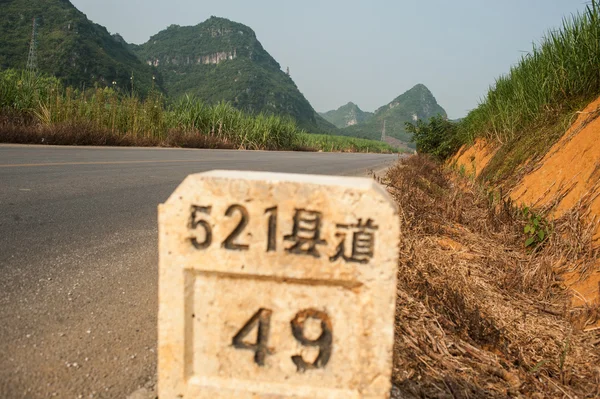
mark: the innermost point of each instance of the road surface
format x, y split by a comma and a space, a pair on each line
78, 258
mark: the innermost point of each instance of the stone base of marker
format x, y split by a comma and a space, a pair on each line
276, 286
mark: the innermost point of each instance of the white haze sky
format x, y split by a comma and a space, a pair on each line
367, 52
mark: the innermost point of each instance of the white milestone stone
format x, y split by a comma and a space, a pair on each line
276, 286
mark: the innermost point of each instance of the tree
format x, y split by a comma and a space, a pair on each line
438, 137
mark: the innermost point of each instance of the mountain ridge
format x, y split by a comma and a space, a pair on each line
347, 115
215, 60
222, 60
416, 103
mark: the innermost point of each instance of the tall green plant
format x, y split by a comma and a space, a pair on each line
24, 90
564, 67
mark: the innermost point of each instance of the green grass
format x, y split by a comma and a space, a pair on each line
329, 143
562, 70
106, 112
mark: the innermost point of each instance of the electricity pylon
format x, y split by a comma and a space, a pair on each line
32, 57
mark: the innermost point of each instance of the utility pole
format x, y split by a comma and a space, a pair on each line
383, 132
32, 57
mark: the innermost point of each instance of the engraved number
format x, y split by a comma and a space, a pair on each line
229, 241
262, 321
195, 222
272, 230
323, 342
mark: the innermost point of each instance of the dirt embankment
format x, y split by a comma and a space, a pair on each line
472, 160
478, 315
564, 185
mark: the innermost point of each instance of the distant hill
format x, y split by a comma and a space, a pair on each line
71, 47
416, 103
347, 115
223, 60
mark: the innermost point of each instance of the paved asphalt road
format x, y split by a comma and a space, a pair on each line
78, 258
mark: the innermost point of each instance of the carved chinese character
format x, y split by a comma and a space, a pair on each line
306, 233
362, 235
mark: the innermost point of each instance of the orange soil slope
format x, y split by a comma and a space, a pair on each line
567, 177
570, 172
474, 158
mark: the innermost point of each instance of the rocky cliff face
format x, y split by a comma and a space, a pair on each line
215, 58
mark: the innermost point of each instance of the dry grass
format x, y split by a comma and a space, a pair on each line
16, 130
478, 316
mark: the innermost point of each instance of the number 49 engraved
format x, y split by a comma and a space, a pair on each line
261, 320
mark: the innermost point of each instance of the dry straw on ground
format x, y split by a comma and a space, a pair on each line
478, 315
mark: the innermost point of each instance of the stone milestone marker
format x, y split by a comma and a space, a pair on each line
276, 286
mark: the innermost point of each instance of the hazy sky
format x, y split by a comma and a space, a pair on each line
367, 52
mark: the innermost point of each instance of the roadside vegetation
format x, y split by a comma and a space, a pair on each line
438, 137
527, 110
479, 314
332, 143
37, 109
485, 305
